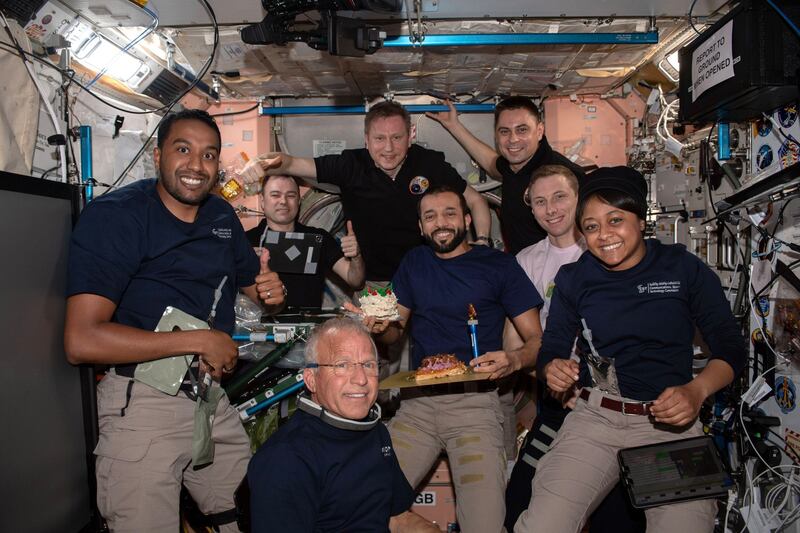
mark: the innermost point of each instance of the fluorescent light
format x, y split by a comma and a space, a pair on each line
673, 60
670, 66
96, 52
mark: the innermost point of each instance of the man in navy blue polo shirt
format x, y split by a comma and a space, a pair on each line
436, 285
135, 251
332, 468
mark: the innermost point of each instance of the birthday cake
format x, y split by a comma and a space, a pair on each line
378, 302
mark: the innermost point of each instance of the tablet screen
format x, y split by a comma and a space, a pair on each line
673, 471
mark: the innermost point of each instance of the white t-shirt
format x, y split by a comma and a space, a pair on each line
541, 262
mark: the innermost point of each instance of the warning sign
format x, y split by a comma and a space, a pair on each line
712, 61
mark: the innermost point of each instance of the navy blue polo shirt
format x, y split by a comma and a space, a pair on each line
312, 477
643, 317
438, 292
129, 248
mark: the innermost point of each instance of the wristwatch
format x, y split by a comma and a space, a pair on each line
483, 240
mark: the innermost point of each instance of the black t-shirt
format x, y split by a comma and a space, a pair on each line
383, 210
520, 229
310, 476
304, 290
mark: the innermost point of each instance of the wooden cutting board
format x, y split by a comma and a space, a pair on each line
406, 379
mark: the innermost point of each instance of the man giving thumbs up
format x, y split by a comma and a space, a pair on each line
280, 202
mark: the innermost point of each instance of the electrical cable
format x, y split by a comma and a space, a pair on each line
775, 277
71, 74
691, 23
241, 112
744, 497
779, 220
783, 15
740, 255
783, 441
48, 171
789, 484
760, 320
199, 76
68, 117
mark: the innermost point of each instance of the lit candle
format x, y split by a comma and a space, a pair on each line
472, 322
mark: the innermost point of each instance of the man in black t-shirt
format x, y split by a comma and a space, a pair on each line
521, 149
280, 201
380, 186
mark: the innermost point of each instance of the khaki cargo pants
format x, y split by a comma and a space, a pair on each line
144, 454
469, 427
581, 468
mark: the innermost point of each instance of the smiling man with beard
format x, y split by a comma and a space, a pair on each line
135, 252
435, 284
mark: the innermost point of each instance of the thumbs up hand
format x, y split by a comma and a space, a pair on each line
263, 260
350, 243
269, 286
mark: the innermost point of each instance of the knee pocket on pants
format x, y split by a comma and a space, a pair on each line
403, 428
118, 494
128, 448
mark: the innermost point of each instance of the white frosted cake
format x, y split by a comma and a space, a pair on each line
380, 303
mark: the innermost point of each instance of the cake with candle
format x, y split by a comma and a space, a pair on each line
379, 302
440, 366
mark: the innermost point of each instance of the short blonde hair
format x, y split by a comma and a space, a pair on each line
545, 171
332, 327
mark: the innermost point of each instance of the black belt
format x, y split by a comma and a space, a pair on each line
626, 408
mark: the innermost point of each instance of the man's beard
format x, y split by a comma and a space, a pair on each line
458, 238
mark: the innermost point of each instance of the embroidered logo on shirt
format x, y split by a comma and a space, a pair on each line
222, 233
659, 287
387, 451
419, 185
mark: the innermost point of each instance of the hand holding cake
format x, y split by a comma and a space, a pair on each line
375, 325
379, 302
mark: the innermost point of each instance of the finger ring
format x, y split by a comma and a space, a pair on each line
285, 290
227, 370
269, 294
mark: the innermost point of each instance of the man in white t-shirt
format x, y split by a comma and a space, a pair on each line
553, 197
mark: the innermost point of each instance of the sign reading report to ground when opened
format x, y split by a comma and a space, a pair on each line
712, 61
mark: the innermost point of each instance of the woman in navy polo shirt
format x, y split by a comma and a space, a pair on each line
635, 304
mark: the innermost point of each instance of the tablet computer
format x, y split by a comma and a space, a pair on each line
673, 471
